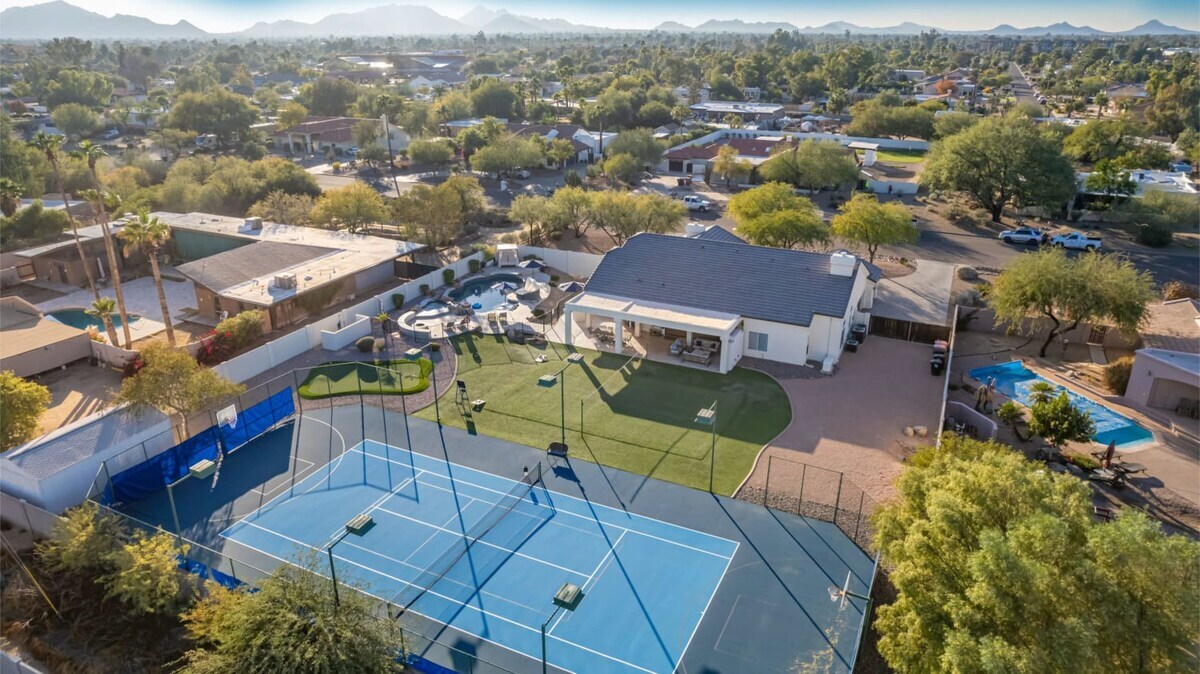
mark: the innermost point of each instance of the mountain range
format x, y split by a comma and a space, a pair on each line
61, 19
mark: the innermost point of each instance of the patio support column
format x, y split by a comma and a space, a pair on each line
637, 329
588, 321
567, 325
618, 331
689, 339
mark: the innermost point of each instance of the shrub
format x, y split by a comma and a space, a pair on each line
365, 344
1178, 290
243, 328
554, 278
424, 288
447, 276
397, 300
968, 273
571, 179
473, 265
1155, 235
1116, 374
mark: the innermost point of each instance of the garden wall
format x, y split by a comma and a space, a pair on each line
336, 340
579, 265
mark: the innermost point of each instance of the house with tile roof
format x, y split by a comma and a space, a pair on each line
320, 134
712, 299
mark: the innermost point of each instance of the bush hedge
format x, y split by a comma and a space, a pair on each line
365, 344
397, 300
1116, 374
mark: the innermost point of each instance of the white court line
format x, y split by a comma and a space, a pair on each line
449, 599
284, 483
431, 537
568, 512
378, 504
612, 553
483, 542
699, 620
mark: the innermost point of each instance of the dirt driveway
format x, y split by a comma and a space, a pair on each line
853, 422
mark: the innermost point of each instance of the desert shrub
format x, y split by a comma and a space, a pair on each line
397, 300
571, 179
447, 276
968, 273
1155, 235
473, 265
243, 328
424, 288
1178, 290
365, 344
1116, 374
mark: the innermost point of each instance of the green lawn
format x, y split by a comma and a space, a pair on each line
394, 377
642, 420
900, 156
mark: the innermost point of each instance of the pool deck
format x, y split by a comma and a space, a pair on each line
141, 298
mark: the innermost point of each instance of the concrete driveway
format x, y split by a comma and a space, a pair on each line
854, 421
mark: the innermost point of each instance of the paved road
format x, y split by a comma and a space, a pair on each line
1022, 90
982, 248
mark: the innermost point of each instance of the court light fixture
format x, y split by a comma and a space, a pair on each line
359, 525
708, 417
567, 597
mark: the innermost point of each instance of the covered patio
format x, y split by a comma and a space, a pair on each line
662, 332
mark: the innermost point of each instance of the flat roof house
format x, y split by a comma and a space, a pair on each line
289, 272
716, 111
321, 134
710, 300
1166, 371
31, 344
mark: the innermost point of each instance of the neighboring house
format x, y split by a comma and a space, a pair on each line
693, 159
31, 344
59, 262
1166, 371
1146, 179
765, 115
1119, 91
962, 78
433, 81
907, 75
320, 134
288, 272
582, 140
729, 298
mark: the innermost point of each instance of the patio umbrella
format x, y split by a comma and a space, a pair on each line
1106, 462
571, 287
531, 264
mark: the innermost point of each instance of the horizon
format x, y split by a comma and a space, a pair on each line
231, 16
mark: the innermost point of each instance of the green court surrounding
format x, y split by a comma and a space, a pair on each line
383, 377
637, 415
900, 156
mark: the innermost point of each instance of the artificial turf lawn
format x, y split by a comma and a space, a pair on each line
900, 156
643, 420
384, 377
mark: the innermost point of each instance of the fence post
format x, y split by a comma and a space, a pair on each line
767, 490
858, 520
28, 520
837, 501
803, 479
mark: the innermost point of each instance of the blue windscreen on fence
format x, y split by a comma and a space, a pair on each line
172, 465
256, 419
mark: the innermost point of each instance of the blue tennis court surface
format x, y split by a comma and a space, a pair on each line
646, 583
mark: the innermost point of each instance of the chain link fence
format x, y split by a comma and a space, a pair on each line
819, 493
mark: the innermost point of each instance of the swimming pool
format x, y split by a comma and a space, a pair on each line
78, 318
1013, 379
485, 294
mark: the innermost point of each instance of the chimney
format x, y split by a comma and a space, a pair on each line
841, 263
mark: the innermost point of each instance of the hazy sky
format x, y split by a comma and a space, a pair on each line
231, 15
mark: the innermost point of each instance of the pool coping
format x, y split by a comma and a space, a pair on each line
1049, 373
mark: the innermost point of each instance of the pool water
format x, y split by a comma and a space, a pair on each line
1013, 379
78, 318
480, 292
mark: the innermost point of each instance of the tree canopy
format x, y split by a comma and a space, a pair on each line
1001, 161
222, 113
22, 404
999, 566
773, 215
1050, 285
639, 143
507, 153
351, 207
866, 221
172, 381
812, 165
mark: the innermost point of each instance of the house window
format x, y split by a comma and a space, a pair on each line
757, 341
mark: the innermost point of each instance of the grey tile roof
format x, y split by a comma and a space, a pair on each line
232, 267
718, 233
772, 284
57, 451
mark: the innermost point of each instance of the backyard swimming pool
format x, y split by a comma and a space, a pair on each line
78, 318
1013, 379
488, 293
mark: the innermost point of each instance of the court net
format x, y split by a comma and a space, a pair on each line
444, 564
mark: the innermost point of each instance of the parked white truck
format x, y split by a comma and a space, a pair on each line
1076, 241
695, 203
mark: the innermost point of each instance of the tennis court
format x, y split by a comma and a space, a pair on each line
485, 555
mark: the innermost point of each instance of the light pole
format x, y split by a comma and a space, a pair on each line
549, 380
415, 354
708, 417
358, 526
567, 597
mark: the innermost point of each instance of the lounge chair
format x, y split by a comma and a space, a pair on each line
491, 317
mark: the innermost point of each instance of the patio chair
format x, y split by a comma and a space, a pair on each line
503, 317
491, 317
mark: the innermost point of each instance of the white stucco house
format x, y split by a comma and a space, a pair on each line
320, 134
1166, 371
727, 299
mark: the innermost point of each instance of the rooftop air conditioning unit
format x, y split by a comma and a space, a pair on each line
252, 224
285, 281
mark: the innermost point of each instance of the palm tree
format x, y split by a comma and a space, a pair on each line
1012, 414
50, 145
1041, 392
148, 234
92, 153
103, 308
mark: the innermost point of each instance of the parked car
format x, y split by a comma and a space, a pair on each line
352, 152
1029, 235
1076, 241
695, 203
111, 134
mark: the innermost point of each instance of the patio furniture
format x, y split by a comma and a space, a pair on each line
491, 317
698, 355
502, 317
557, 449
676, 347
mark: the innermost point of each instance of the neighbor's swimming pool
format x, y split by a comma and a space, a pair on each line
484, 295
1013, 379
78, 318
